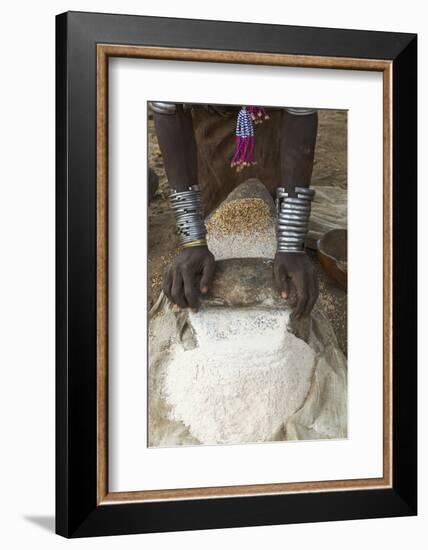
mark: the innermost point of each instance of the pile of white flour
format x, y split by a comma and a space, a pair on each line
244, 379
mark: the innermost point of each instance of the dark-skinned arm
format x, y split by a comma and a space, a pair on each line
192, 270
297, 149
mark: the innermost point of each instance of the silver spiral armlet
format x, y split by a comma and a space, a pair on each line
187, 207
293, 218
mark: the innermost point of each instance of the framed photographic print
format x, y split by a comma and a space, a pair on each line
236, 274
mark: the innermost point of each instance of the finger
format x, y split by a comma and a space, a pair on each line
313, 295
177, 291
280, 275
285, 290
207, 275
302, 295
167, 283
190, 291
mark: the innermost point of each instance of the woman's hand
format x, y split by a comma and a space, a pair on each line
297, 269
190, 274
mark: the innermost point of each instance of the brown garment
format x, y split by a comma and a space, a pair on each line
215, 142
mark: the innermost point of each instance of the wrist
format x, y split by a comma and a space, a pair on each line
195, 243
297, 253
293, 219
187, 207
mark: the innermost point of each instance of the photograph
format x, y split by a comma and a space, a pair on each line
247, 273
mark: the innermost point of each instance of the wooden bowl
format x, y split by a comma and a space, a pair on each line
333, 255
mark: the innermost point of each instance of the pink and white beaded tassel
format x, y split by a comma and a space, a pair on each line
244, 147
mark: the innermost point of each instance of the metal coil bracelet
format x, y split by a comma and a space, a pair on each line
293, 218
187, 207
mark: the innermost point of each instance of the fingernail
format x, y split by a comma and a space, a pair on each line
284, 295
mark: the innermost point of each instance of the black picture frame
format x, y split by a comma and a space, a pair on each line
77, 512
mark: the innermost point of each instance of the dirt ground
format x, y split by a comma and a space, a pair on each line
330, 168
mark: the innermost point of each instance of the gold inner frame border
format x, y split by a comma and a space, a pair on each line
104, 52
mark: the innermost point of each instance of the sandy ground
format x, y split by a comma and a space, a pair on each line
330, 168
